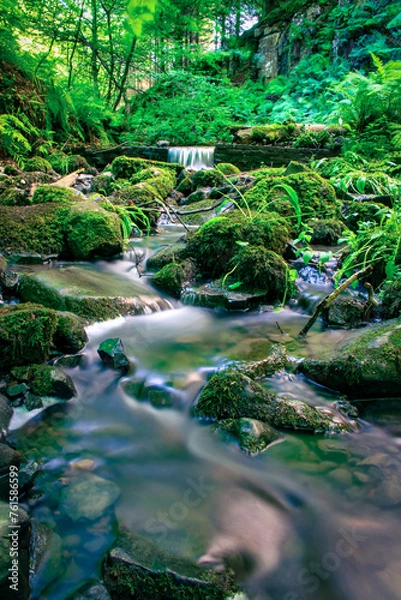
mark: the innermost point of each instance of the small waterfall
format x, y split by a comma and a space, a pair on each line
194, 157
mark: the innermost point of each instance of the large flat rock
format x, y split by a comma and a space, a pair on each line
93, 295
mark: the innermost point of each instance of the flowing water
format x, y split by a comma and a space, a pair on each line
195, 157
313, 517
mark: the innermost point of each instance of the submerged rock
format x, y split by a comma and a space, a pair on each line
136, 569
112, 353
211, 295
232, 395
369, 366
253, 436
46, 560
88, 497
91, 590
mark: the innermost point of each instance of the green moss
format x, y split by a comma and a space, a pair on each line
215, 243
253, 436
316, 196
314, 139
185, 185
232, 395
261, 270
103, 184
50, 381
37, 163
12, 170
70, 336
199, 218
14, 196
272, 134
165, 256
26, 335
228, 169
124, 167
261, 174
54, 193
64, 163
37, 228
151, 573
208, 178
326, 232
92, 232
172, 277
369, 366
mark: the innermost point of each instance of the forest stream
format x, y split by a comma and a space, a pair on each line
312, 517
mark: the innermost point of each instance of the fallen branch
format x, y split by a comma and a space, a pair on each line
323, 304
198, 210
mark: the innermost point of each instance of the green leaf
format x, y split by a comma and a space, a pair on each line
234, 286
324, 257
307, 256
242, 244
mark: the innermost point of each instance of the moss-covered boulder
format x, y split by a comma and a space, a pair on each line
112, 354
228, 169
136, 569
92, 232
252, 436
103, 184
272, 134
124, 167
172, 277
208, 178
199, 212
46, 380
369, 366
26, 335
91, 295
316, 196
67, 163
164, 256
215, 243
326, 232
29, 332
154, 188
230, 394
37, 163
259, 269
37, 228
54, 193
185, 185
391, 298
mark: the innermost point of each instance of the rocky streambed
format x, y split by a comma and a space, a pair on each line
173, 434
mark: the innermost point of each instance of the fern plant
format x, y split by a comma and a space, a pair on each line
14, 133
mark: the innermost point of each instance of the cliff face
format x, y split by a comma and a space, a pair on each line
336, 29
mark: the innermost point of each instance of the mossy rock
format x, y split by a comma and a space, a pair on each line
317, 198
39, 228
369, 366
92, 232
164, 256
11, 170
67, 163
347, 311
262, 270
228, 169
124, 167
91, 295
326, 232
185, 185
273, 134
136, 569
148, 190
26, 335
55, 193
264, 172
357, 212
230, 394
70, 336
208, 178
51, 381
215, 243
37, 163
205, 214
102, 184
172, 277
253, 436
14, 196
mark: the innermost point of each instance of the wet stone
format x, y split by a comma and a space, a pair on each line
6, 413
8, 457
46, 560
32, 401
112, 354
91, 590
89, 497
18, 390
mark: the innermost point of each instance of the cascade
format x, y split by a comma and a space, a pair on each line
192, 157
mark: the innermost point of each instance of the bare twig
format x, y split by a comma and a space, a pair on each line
327, 300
